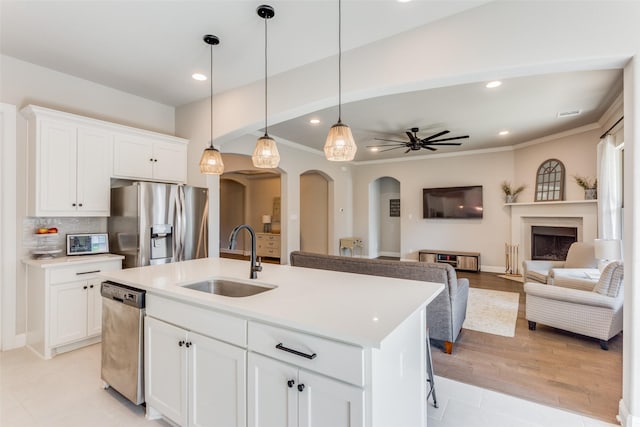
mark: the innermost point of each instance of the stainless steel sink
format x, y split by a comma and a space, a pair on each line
227, 288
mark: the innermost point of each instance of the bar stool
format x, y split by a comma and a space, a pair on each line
431, 384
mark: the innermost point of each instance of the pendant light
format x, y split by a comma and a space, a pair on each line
265, 155
211, 160
340, 146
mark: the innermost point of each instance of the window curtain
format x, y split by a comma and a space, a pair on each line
609, 189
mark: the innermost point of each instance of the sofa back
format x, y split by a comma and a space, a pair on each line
411, 270
445, 314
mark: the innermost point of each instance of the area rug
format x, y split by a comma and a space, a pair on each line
492, 312
513, 277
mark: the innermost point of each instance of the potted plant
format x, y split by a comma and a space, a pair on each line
511, 194
590, 187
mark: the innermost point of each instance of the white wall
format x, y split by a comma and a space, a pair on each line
486, 235
576, 150
22, 83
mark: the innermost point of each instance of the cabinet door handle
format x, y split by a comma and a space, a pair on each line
155, 160
91, 286
188, 344
296, 352
181, 343
84, 287
151, 160
300, 387
291, 383
80, 204
73, 204
87, 272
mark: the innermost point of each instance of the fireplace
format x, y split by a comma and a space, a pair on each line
552, 243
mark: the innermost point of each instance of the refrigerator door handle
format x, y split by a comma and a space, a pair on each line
181, 220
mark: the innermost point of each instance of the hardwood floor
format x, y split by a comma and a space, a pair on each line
548, 366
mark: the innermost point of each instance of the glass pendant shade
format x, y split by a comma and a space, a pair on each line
340, 146
266, 155
211, 162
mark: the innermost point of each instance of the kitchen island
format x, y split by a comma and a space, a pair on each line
319, 348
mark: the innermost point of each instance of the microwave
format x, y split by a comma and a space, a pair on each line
87, 244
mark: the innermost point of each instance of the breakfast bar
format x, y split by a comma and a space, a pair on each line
327, 347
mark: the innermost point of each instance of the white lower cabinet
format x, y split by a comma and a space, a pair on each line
191, 379
64, 305
284, 395
76, 311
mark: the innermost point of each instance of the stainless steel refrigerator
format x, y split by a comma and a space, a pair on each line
154, 223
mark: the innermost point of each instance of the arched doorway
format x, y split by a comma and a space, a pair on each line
384, 218
232, 212
314, 212
251, 196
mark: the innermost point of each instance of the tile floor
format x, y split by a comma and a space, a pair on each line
67, 391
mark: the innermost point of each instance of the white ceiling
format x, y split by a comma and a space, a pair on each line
527, 107
151, 48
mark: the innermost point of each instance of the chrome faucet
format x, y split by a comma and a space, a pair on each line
255, 265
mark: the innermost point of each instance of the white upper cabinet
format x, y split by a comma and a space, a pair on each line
69, 167
71, 160
137, 157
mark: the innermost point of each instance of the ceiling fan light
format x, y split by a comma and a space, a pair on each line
266, 155
211, 162
340, 146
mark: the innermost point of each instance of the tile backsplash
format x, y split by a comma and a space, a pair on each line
65, 225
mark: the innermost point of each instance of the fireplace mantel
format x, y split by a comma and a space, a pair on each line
559, 202
582, 214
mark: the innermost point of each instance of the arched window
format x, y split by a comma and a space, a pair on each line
550, 181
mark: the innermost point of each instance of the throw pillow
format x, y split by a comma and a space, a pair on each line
611, 279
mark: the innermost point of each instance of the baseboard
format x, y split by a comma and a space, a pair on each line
16, 341
393, 254
492, 269
625, 418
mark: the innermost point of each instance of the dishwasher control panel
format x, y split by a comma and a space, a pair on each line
123, 293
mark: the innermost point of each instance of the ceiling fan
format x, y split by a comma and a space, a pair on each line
415, 143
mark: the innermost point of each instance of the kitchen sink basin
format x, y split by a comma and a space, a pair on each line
227, 288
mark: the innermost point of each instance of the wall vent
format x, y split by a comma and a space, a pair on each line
569, 113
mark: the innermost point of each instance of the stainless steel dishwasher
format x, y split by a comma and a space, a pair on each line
122, 340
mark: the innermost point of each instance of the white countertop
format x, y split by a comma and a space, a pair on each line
70, 260
353, 308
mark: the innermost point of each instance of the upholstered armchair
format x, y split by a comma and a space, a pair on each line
596, 313
581, 256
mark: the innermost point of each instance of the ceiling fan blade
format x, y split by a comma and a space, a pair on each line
429, 148
429, 138
390, 140
439, 145
411, 136
447, 139
387, 145
389, 149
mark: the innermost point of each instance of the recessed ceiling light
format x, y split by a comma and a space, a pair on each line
314, 121
404, 1
503, 132
494, 84
199, 77
374, 149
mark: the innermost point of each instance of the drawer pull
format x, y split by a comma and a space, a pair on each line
296, 352
87, 272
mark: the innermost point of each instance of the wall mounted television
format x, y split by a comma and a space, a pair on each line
452, 202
